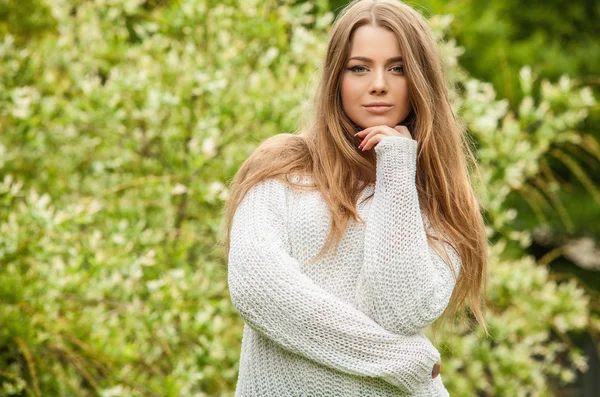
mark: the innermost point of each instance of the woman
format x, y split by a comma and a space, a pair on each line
346, 240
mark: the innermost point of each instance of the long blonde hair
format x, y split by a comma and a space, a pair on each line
327, 150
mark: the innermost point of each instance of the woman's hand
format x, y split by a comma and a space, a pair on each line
373, 135
436, 368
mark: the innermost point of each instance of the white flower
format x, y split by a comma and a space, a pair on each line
179, 189
23, 97
209, 147
583, 252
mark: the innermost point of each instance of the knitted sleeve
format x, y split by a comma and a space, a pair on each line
404, 285
278, 301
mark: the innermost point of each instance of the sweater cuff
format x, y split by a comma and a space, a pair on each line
430, 356
394, 141
420, 368
396, 154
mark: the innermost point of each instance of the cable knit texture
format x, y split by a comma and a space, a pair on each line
352, 323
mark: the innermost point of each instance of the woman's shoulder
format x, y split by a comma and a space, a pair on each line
286, 182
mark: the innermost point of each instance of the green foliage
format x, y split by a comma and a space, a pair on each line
122, 123
531, 313
120, 128
551, 39
501, 36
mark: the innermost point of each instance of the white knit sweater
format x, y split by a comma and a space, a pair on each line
352, 323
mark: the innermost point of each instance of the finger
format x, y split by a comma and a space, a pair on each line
373, 141
366, 143
370, 133
403, 130
362, 133
381, 129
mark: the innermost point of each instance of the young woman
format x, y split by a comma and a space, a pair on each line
346, 240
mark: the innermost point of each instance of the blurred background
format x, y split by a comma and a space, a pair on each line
122, 123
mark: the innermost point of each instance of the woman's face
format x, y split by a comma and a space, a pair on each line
374, 73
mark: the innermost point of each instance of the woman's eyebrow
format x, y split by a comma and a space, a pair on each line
365, 59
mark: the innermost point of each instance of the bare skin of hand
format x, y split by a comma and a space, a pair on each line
373, 135
436, 368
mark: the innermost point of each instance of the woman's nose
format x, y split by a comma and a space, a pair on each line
379, 83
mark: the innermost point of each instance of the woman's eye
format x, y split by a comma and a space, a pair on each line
354, 68
360, 69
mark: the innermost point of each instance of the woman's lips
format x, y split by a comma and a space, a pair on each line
377, 109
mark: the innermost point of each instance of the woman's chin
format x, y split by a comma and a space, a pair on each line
376, 120
374, 124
